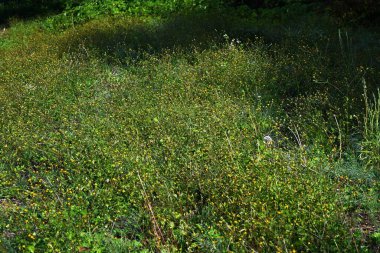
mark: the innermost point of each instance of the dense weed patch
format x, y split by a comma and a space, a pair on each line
134, 135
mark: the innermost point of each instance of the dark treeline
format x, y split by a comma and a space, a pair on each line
349, 10
353, 11
25, 9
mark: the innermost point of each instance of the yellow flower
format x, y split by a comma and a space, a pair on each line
32, 236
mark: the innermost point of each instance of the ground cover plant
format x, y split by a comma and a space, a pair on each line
207, 131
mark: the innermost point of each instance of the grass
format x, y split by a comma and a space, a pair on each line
370, 148
130, 134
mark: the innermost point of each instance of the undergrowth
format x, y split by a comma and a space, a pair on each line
134, 135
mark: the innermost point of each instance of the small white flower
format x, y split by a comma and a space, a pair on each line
268, 140
30, 87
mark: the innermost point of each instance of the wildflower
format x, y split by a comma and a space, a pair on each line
32, 236
268, 140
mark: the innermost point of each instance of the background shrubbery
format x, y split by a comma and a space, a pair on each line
71, 12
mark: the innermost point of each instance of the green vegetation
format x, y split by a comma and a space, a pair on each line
194, 129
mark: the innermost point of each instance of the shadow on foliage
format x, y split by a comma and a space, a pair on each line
122, 40
298, 51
